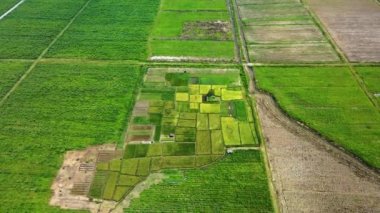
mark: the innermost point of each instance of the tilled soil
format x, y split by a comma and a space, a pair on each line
311, 175
353, 24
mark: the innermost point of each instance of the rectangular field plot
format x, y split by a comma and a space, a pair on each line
192, 30
292, 53
318, 97
119, 31
283, 32
29, 29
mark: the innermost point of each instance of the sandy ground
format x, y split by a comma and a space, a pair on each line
353, 24
309, 174
74, 178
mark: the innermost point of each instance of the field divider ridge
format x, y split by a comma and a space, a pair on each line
11, 10
34, 64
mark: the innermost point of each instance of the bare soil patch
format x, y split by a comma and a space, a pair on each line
283, 34
207, 30
354, 25
311, 175
307, 53
72, 183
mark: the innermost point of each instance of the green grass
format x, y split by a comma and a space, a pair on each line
29, 29
238, 183
119, 31
59, 107
371, 77
10, 72
193, 5
330, 101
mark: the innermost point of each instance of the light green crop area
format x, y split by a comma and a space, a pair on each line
329, 100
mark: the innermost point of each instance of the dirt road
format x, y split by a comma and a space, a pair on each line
311, 175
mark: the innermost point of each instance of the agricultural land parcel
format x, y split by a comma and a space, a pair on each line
354, 25
330, 101
283, 32
198, 107
198, 30
237, 183
58, 108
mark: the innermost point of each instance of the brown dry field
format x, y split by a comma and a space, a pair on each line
306, 53
309, 174
283, 34
270, 11
353, 24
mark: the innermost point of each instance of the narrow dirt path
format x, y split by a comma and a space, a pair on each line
311, 175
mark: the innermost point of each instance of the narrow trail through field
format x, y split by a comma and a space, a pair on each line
40, 57
11, 10
311, 175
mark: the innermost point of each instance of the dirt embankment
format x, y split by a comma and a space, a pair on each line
311, 175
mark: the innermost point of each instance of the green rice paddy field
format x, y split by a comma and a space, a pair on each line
78, 68
59, 107
236, 183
